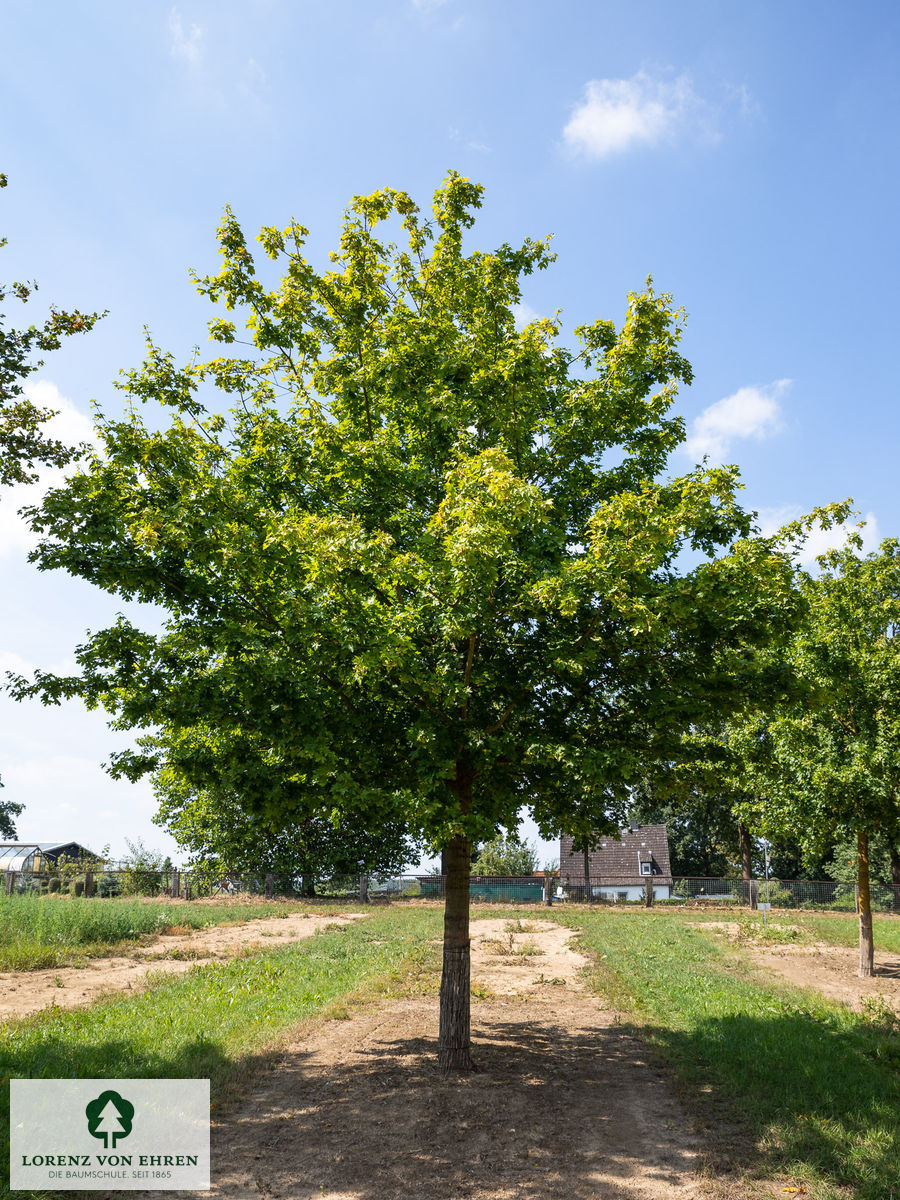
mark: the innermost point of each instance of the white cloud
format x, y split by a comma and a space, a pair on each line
524, 314
619, 114
748, 412
819, 540
479, 147
70, 427
184, 43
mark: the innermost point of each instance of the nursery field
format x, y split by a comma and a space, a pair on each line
47, 931
220, 1022
642, 1052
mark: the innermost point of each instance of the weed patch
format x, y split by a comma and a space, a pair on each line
46, 931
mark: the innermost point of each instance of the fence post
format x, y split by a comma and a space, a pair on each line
364, 889
176, 884
10, 882
648, 893
88, 884
270, 886
548, 889
754, 895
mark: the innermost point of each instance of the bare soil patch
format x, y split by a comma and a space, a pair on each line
832, 970
24, 992
565, 1103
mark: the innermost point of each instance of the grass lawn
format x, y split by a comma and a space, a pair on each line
46, 931
782, 1081
218, 1022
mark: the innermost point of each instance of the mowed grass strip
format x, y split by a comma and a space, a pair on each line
814, 1086
838, 930
43, 931
211, 1022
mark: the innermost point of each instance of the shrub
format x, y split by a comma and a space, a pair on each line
144, 870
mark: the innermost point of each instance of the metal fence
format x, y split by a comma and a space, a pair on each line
103, 882
697, 891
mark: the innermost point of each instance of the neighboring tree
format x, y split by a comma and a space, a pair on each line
24, 445
506, 856
225, 836
426, 566
9, 810
844, 868
788, 859
828, 768
704, 834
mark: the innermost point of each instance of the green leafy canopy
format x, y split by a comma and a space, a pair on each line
414, 560
24, 443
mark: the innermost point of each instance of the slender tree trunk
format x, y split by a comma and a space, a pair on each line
895, 876
454, 1045
588, 894
866, 941
746, 852
746, 846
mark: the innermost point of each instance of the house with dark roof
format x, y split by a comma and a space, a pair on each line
619, 865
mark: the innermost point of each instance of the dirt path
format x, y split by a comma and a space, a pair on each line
23, 992
565, 1104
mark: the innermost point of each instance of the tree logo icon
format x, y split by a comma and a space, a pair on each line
109, 1116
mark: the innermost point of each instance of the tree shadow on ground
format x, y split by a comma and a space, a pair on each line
792, 1091
549, 1113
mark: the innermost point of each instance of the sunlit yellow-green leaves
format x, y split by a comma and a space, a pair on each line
402, 544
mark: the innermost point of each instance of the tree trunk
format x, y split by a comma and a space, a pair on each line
588, 894
895, 876
866, 941
454, 1047
746, 852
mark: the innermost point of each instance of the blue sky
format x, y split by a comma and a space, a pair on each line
745, 155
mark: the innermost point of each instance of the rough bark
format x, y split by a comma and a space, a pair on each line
895, 876
648, 894
866, 940
454, 1044
588, 894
